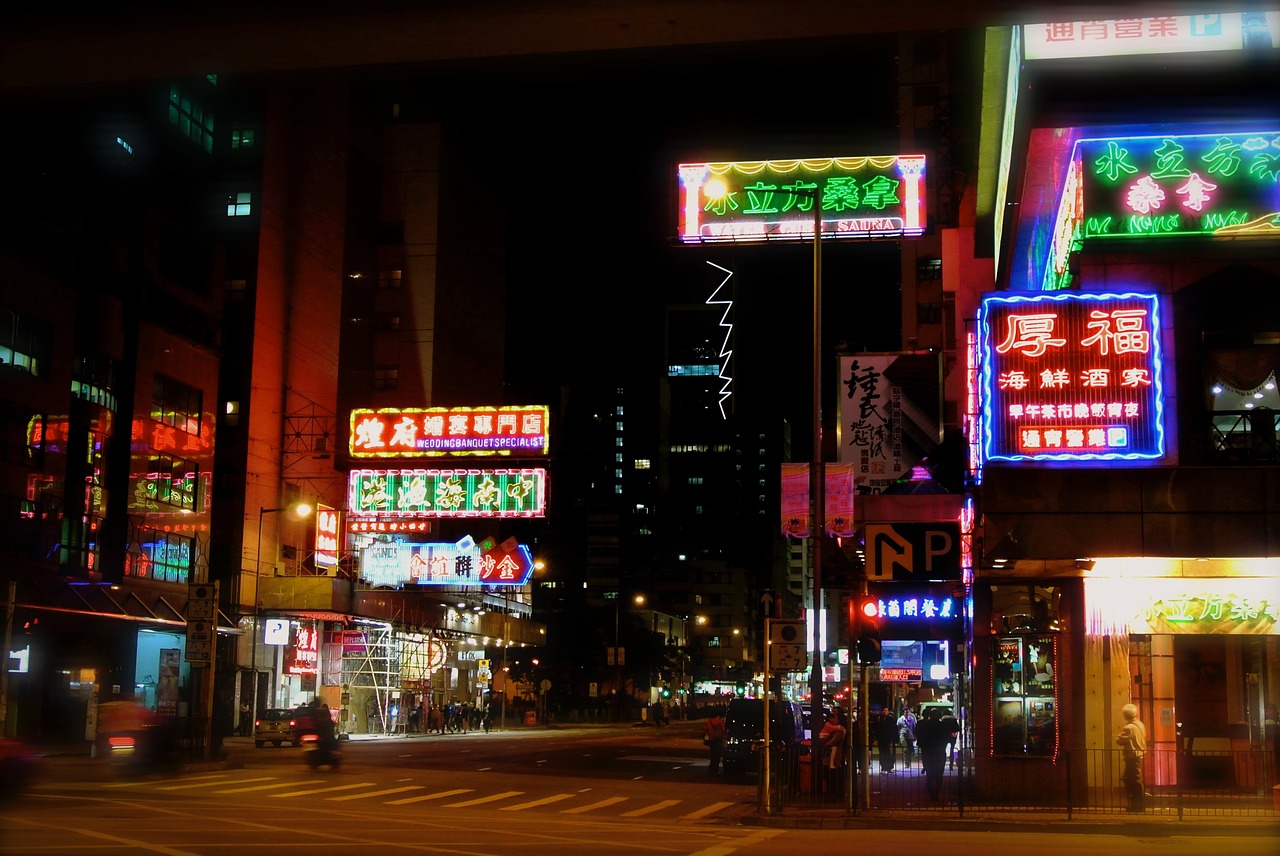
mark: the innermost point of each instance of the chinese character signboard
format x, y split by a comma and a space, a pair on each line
415, 432
890, 415
1163, 34
837, 504
465, 563
1173, 186
303, 656
447, 493
918, 611
759, 201
1071, 376
327, 529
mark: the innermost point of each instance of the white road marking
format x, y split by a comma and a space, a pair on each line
555, 798
658, 806
488, 799
605, 803
271, 787
324, 790
216, 783
703, 812
366, 796
138, 783
424, 797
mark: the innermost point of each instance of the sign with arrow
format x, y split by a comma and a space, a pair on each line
913, 551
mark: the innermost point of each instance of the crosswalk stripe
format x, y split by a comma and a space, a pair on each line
424, 797
658, 806
555, 798
375, 793
703, 812
250, 788
135, 784
215, 784
493, 798
595, 805
324, 790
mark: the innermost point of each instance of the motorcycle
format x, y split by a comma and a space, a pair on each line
319, 753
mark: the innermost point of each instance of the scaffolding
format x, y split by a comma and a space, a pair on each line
382, 667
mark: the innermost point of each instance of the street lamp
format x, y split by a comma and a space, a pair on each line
301, 510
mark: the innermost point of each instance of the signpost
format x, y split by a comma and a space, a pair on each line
202, 631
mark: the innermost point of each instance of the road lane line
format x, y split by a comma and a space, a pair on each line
436, 796
133, 843
703, 812
658, 806
728, 848
215, 783
375, 793
270, 787
323, 790
555, 798
595, 805
482, 800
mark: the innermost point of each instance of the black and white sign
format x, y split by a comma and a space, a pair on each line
913, 551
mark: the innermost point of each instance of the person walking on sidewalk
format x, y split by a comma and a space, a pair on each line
713, 738
907, 735
1132, 741
933, 737
887, 739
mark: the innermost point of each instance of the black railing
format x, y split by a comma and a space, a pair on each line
1177, 784
1245, 436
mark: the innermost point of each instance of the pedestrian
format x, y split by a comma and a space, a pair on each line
246, 721
1132, 741
713, 739
953, 733
832, 738
907, 736
932, 736
887, 739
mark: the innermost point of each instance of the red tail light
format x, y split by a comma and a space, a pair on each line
311, 738
120, 741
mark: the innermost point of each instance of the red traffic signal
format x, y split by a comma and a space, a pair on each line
868, 616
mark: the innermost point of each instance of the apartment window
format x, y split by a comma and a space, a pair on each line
176, 403
94, 379
929, 313
389, 278
617, 411
242, 138
235, 287
190, 118
164, 556
617, 458
240, 205
617, 426
643, 464
26, 343
695, 479
386, 377
617, 489
617, 442
388, 321
929, 269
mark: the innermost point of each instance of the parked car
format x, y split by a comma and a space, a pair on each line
275, 726
744, 732
20, 764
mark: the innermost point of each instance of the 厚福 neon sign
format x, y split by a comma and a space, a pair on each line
1071, 376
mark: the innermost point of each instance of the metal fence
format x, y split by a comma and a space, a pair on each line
1177, 785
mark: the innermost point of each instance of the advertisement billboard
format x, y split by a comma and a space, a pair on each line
430, 493
415, 432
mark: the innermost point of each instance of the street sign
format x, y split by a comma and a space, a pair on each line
913, 551
202, 623
200, 642
202, 602
786, 644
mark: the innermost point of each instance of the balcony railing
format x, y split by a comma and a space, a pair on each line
1246, 436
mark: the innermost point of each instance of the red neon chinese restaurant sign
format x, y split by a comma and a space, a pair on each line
1071, 376
416, 432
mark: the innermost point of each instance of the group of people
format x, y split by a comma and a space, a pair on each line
932, 735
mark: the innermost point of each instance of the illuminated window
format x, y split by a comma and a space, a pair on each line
390, 278
190, 119
176, 404
617, 474
643, 464
163, 556
94, 380
240, 205
617, 426
168, 481
22, 436
242, 138
695, 479
25, 342
617, 442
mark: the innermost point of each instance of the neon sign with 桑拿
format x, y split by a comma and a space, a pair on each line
1071, 376
1168, 185
763, 201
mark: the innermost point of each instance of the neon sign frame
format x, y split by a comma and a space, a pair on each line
1089, 406
772, 200
417, 432
1224, 184
432, 493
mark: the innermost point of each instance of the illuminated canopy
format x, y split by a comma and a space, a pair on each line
762, 201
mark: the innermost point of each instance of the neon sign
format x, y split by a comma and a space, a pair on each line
327, 529
447, 493
1071, 376
464, 563
1162, 34
416, 432
1168, 185
861, 197
304, 657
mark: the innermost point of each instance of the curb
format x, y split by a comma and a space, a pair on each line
1256, 827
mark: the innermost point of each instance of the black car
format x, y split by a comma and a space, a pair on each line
744, 732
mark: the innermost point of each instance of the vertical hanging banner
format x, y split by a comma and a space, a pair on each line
328, 527
890, 415
795, 500
838, 507
838, 501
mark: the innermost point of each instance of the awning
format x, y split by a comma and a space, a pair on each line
122, 602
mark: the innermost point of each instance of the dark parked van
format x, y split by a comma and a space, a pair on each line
744, 732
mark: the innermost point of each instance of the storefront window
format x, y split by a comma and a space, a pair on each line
1024, 708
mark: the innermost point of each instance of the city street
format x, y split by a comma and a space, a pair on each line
533, 791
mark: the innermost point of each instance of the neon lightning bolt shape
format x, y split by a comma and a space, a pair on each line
726, 352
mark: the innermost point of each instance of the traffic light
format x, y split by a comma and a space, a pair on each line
868, 629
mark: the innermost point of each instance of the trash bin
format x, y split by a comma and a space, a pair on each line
530, 717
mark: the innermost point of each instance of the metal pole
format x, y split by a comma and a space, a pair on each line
253, 656
4, 657
817, 486
506, 643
